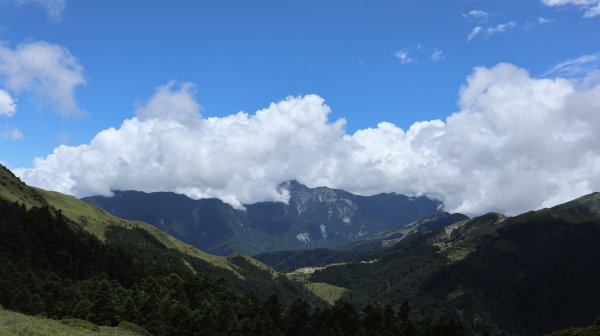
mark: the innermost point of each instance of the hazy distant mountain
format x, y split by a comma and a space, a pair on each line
313, 217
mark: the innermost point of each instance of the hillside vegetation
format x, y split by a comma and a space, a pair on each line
15, 324
47, 268
528, 275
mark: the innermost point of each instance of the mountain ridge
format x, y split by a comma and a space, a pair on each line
105, 226
529, 274
312, 217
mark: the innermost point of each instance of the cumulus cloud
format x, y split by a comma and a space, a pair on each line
171, 103
53, 8
47, 71
517, 143
8, 106
591, 7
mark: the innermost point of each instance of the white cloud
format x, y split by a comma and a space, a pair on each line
403, 56
591, 7
476, 13
171, 103
417, 53
10, 133
577, 67
474, 32
517, 143
8, 107
437, 55
500, 27
48, 71
542, 20
53, 8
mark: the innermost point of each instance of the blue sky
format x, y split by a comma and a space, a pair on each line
372, 61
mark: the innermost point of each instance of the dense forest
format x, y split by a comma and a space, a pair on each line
50, 267
529, 275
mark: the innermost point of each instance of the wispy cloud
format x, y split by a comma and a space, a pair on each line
403, 55
578, 67
53, 8
474, 32
500, 28
591, 8
417, 53
11, 133
491, 30
437, 55
476, 13
542, 20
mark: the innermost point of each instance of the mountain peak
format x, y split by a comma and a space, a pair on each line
292, 186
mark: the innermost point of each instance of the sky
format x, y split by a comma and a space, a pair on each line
486, 105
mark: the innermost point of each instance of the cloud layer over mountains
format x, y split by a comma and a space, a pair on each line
517, 143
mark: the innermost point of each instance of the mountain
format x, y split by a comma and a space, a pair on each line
313, 217
362, 250
62, 257
429, 223
67, 260
527, 275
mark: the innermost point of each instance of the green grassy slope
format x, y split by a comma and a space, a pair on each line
15, 324
96, 221
593, 330
13, 190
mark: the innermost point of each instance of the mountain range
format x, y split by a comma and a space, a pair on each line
388, 264
153, 251
312, 218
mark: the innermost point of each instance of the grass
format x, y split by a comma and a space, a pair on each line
593, 330
96, 221
13, 190
15, 324
325, 291
90, 217
454, 251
